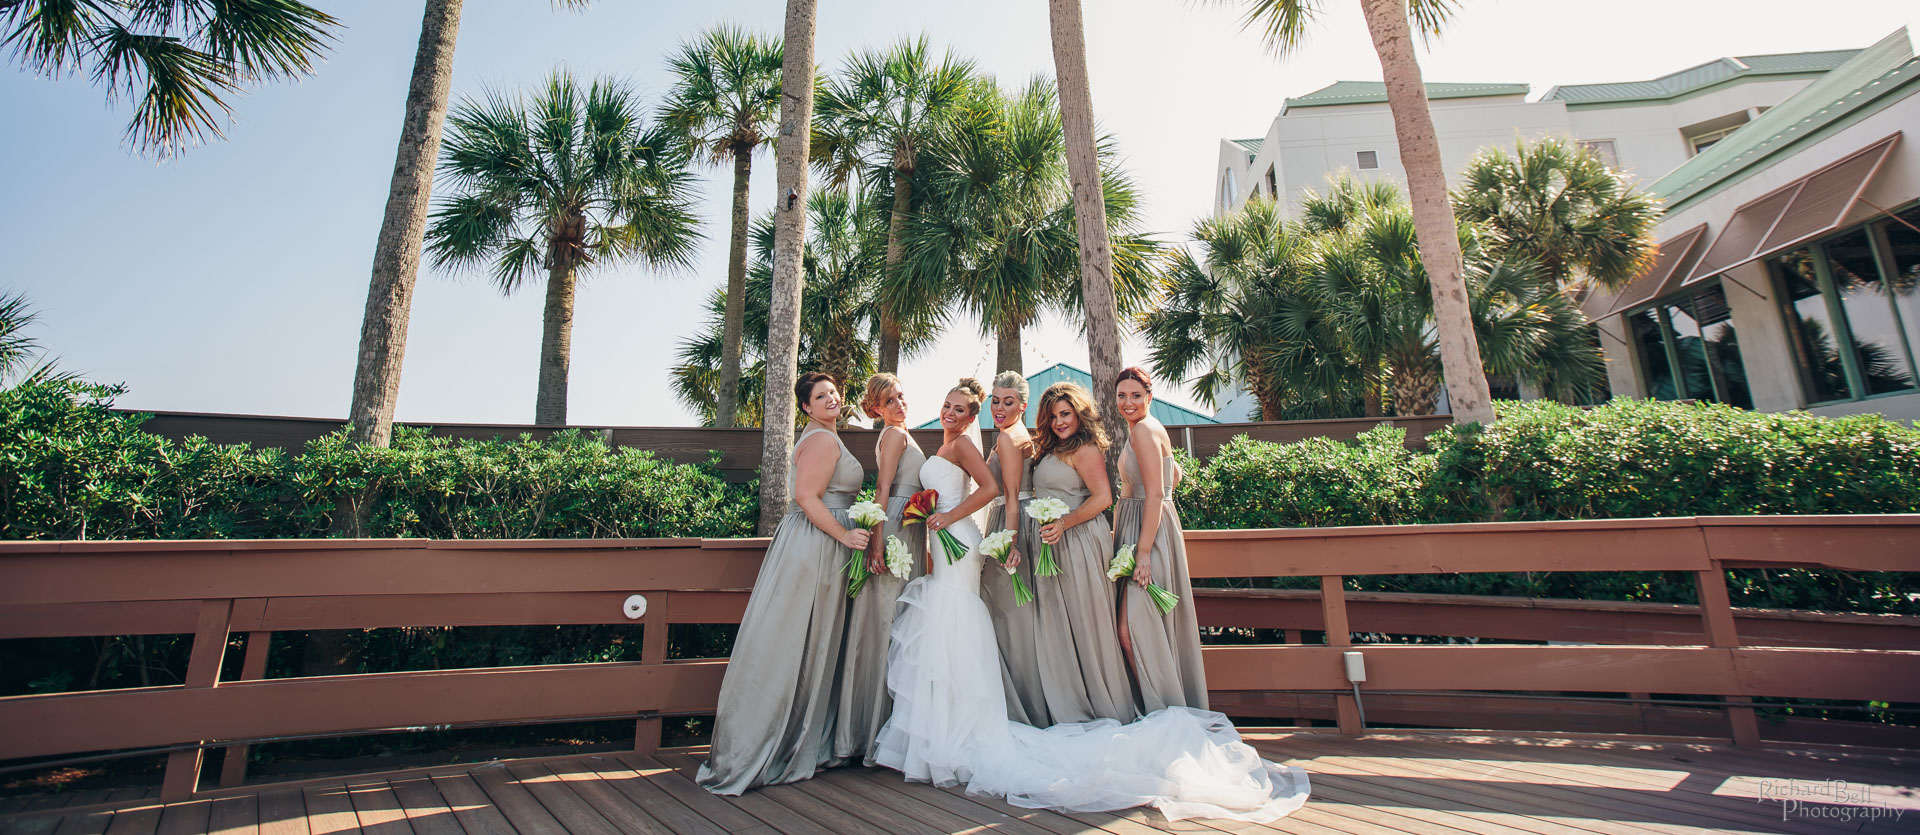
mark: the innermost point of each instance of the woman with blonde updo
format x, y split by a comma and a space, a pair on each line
864, 703
1082, 672
1013, 625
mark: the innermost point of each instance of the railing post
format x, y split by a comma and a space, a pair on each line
653, 650
182, 777
1333, 608
1716, 616
233, 768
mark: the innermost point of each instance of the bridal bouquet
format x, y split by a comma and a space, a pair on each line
1046, 510
866, 515
899, 559
1122, 566
918, 509
997, 545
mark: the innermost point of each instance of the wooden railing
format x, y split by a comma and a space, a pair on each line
217, 589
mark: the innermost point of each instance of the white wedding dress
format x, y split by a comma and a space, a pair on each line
949, 724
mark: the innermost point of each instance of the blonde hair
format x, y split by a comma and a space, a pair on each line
1089, 433
971, 388
878, 386
1011, 380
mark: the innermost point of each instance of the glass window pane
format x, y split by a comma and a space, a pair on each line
1876, 337
1709, 307
1694, 380
1653, 356
1904, 242
1810, 328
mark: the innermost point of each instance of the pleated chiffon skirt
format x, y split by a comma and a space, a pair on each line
1082, 673
864, 701
1016, 627
1166, 648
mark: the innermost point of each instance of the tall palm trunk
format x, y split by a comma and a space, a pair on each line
1433, 221
1090, 217
896, 252
556, 346
396, 252
789, 240
1009, 338
728, 395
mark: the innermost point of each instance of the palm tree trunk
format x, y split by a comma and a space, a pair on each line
726, 399
396, 252
896, 252
1090, 217
789, 238
556, 346
1370, 396
1433, 221
1009, 338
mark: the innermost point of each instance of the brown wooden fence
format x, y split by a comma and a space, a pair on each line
216, 589
739, 448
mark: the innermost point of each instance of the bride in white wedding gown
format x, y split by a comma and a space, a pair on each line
949, 724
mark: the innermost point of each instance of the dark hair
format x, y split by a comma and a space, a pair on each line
1082, 403
1134, 372
803, 388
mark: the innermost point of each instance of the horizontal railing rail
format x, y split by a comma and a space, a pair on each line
216, 589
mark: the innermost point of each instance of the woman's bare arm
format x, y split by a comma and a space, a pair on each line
812, 471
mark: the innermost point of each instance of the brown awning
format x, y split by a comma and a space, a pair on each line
1793, 213
1667, 268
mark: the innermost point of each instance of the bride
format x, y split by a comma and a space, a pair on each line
949, 724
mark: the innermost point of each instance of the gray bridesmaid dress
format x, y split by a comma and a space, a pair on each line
776, 716
1082, 672
864, 701
1014, 626
1166, 648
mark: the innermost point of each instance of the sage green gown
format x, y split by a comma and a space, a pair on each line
1014, 626
1082, 672
775, 722
1167, 669
864, 701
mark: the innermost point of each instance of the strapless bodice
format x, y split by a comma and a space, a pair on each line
946, 477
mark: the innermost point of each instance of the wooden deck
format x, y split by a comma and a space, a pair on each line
1443, 783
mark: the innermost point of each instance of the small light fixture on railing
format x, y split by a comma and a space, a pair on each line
635, 607
1356, 665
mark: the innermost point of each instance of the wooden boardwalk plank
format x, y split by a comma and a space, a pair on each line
521, 809
330, 810
90, 823
756, 803
835, 787
378, 810
617, 808
471, 806
235, 815
863, 790
644, 792
426, 810
139, 820
283, 812
719, 811
566, 806
999, 817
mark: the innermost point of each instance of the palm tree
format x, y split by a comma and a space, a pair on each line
1096, 254
789, 238
560, 183
22, 359
1284, 24
996, 223
875, 117
725, 97
844, 255
180, 58
1559, 204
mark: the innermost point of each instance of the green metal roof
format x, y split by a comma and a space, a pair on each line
1873, 78
1252, 146
1168, 413
1696, 79
1375, 92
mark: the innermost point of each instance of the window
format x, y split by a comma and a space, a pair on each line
1849, 307
1603, 148
1273, 183
1368, 160
1226, 190
1688, 349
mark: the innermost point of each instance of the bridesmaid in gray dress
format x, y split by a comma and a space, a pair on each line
1082, 672
776, 718
864, 701
1012, 463
1163, 650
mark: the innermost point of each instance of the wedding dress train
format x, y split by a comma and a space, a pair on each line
949, 724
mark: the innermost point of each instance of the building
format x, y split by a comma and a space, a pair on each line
1789, 256
1169, 414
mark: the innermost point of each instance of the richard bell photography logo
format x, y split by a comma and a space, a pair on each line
1836, 800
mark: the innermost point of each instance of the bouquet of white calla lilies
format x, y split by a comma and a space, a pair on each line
1046, 510
866, 515
1123, 565
899, 559
998, 545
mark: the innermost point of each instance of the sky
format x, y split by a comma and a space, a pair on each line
234, 278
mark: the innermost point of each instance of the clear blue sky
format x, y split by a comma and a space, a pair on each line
233, 279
